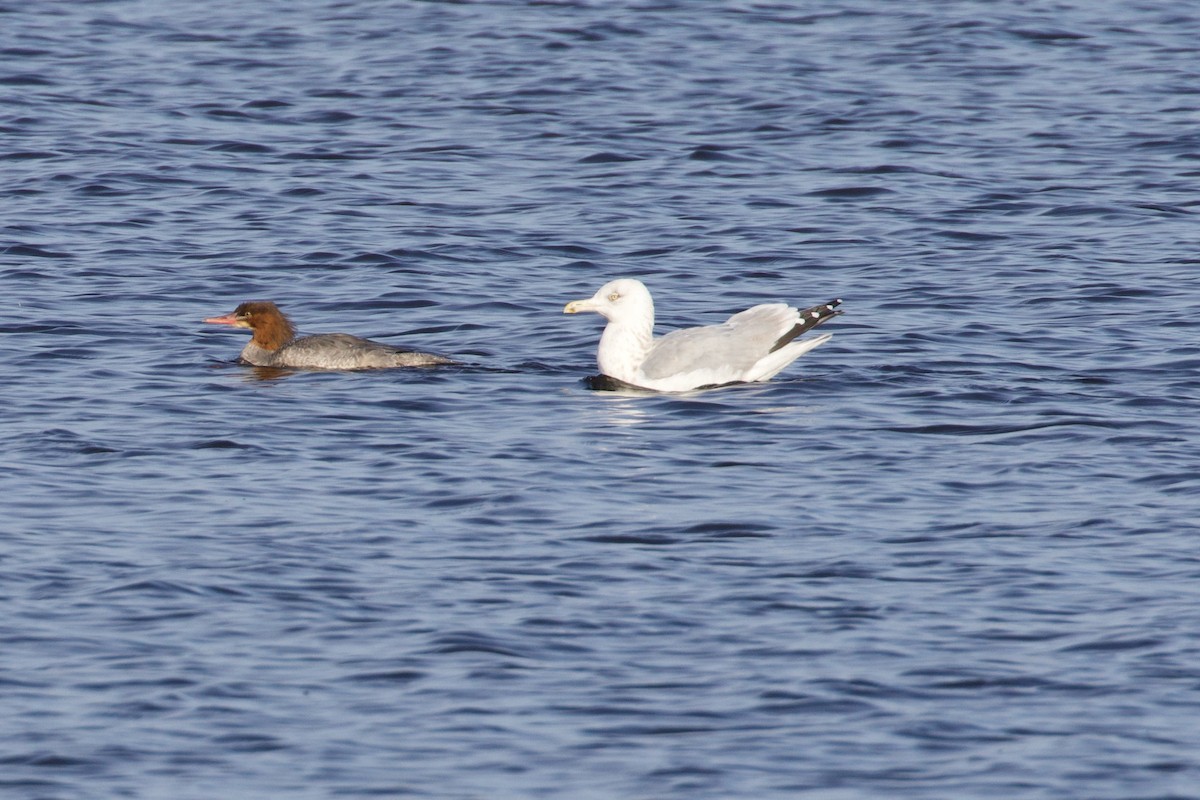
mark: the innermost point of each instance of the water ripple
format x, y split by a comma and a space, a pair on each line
947, 554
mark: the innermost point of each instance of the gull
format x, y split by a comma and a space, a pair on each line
752, 345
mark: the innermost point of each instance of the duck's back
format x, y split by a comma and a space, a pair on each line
339, 351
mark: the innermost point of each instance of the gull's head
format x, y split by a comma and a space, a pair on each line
617, 301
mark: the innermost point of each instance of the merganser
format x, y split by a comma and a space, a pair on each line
753, 345
274, 344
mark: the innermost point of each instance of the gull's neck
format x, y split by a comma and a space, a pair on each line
623, 346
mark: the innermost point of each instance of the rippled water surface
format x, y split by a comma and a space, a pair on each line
952, 553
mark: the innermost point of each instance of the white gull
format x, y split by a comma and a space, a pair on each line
752, 345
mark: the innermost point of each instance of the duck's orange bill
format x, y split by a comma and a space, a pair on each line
228, 319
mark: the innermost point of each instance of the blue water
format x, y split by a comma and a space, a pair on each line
953, 553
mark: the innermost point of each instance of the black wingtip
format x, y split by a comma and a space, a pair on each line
814, 316
809, 319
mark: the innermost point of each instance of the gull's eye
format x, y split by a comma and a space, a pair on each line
614, 297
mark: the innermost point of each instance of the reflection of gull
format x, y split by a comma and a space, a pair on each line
750, 346
624, 412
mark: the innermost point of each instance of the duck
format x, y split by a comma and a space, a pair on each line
274, 344
751, 346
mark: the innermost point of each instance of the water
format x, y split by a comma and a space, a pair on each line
949, 554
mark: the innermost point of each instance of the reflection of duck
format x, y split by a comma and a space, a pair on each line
274, 344
750, 346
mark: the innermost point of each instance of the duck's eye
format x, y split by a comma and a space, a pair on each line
614, 297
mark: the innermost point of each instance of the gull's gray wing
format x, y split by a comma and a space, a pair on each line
727, 350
